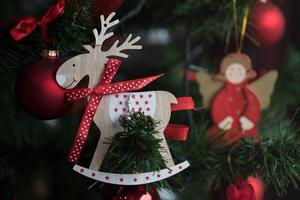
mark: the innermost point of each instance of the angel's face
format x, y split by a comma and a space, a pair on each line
235, 73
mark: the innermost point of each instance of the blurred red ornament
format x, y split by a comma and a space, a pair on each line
105, 7
241, 190
37, 90
139, 192
268, 23
258, 187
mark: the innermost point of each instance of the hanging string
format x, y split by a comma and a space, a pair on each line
229, 161
239, 41
244, 28
235, 23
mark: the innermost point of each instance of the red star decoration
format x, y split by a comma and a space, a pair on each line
137, 103
81, 170
135, 179
147, 177
121, 179
116, 109
180, 167
141, 96
93, 174
146, 102
107, 178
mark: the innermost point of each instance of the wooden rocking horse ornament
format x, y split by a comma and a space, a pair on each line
108, 101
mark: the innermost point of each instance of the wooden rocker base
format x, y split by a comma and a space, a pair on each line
131, 179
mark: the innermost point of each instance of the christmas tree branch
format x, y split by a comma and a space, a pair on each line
69, 32
276, 158
135, 149
74, 28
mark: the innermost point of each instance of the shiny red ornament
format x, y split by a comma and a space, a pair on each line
268, 23
241, 190
139, 192
38, 92
105, 7
258, 187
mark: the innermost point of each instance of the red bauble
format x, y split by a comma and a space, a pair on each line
258, 187
38, 92
139, 192
105, 7
252, 189
241, 190
268, 23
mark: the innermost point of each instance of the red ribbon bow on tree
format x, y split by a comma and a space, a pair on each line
105, 87
29, 24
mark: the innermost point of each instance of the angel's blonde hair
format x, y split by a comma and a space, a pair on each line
240, 58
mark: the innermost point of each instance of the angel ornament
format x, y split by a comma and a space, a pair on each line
235, 103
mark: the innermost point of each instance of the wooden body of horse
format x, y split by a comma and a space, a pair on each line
92, 64
157, 104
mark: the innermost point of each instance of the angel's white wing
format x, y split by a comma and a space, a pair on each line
208, 87
264, 87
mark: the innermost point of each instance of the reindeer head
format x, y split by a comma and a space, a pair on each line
92, 64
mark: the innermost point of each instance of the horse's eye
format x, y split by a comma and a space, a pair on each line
73, 65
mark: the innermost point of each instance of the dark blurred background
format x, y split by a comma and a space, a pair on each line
179, 38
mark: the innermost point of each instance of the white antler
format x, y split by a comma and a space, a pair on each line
115, 50
105, 25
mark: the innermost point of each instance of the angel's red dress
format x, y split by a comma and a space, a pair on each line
236, 100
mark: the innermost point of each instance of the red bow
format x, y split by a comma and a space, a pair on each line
241, 190
176, 132
105, 87
29, 24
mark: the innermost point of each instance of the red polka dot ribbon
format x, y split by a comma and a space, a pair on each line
105, 87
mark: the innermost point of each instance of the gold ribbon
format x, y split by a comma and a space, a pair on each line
239, 41
235, 24
244, 28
